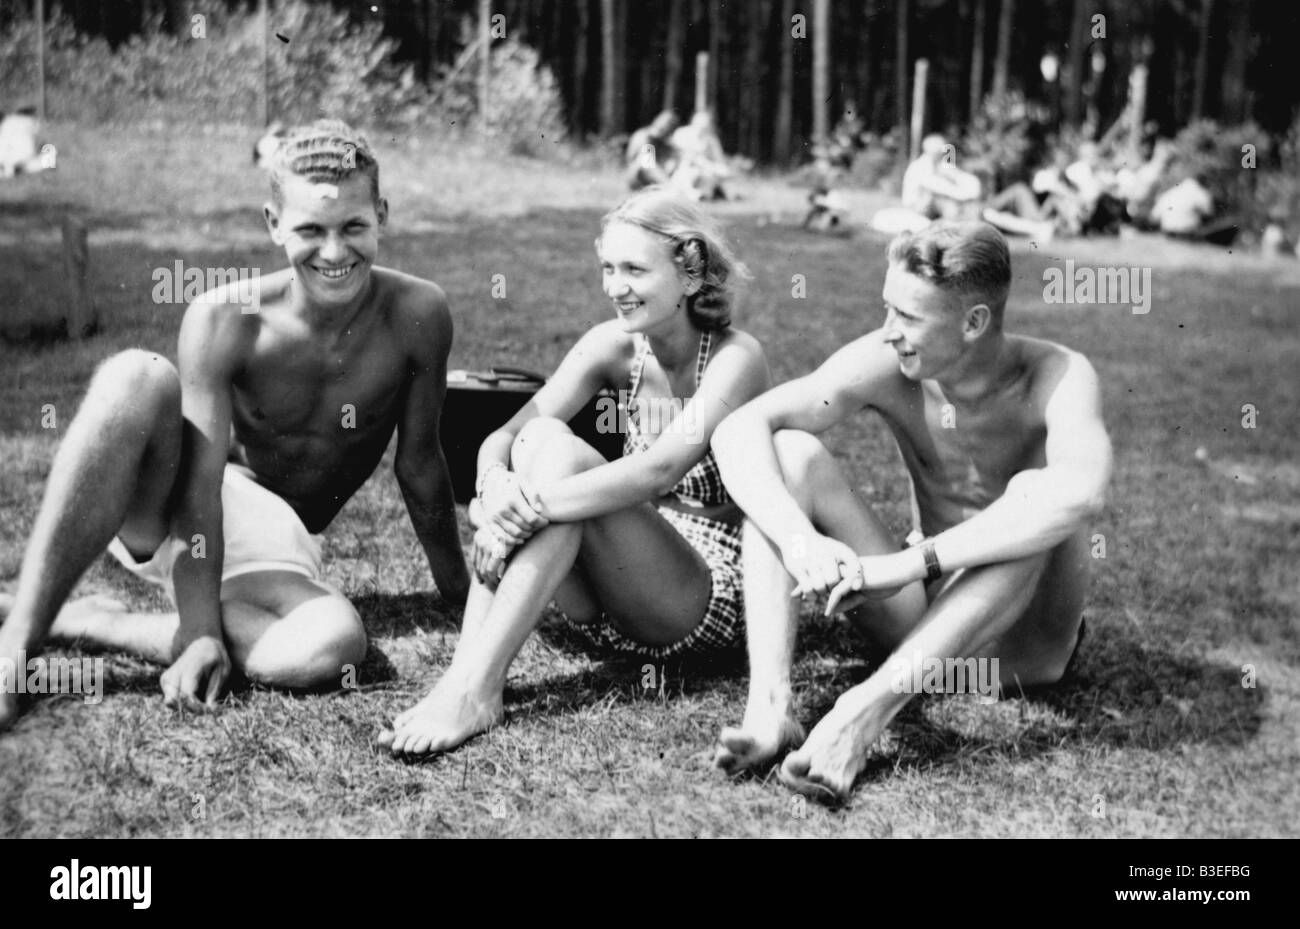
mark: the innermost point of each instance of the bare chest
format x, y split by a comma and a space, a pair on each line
964, 454
299, 390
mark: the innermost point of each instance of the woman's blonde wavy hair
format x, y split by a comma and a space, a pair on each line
697, 247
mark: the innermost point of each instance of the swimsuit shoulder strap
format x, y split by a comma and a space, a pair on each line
642, 348
702, 359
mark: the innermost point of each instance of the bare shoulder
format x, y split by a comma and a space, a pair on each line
738, 342
417, 308
1056, 371
741, 356
216, 334
606, 346
865, 369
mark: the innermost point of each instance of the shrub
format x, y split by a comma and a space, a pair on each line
525, 111
1214, 153
328, 65
1004, 139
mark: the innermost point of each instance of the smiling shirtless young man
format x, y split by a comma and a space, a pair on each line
212, 479
1002, 437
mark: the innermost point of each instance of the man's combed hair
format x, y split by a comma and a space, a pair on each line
969, 259
327, 151
697, 247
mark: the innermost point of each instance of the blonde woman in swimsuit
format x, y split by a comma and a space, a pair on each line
642, 552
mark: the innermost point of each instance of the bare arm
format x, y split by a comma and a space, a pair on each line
210, 341
844, 384
1042, 507
585, 369
420, 465
736, 374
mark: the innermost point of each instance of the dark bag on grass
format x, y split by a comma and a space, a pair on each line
479, 402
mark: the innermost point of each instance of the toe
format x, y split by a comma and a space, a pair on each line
385, 738
735, 744
810, 787
796, 765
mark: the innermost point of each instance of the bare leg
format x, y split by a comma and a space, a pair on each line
817, 484
644, 574
282, 629
112, 474
1011, 610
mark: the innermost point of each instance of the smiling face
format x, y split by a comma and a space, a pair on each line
923, 323
330, 234
639, 276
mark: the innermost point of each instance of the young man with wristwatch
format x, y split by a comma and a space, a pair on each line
1003, 439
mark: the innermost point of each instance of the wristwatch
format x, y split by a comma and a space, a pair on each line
932, 569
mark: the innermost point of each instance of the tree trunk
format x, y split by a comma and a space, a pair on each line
484, 62
611, 98
582, 40
1202, 58
821, 84
1078, 63
712, 92
977, 59
781, 141
900, 78
1236, 101
673, 53
753, 79
1003, 58
866, 55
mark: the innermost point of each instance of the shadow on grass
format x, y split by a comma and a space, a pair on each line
1120, 693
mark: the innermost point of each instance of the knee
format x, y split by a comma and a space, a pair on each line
546, 449
805, 463
327, 658
528, 446
339, 647
137, 379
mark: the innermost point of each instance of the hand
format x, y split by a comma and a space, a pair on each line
489, 556
817, 563
877, 577
506, 507
197, 677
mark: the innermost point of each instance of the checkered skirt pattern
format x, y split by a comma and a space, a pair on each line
723, 624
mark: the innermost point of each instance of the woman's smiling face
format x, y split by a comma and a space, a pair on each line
639, 276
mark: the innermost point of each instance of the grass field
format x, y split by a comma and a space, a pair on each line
1155, 735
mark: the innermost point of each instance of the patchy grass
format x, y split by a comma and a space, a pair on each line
1155, 732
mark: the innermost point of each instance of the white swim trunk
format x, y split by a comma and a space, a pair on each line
262, 533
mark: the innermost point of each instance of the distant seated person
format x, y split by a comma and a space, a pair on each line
702, 164
19, 153
1138, 187
1097, 186
933, 188
827, 210
1018, 210
1186, 211
651, 157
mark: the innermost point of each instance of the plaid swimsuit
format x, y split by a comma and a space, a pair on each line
718, 543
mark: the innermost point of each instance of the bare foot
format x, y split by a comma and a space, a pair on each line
767, 729
450, 715
837, 749
81, 618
